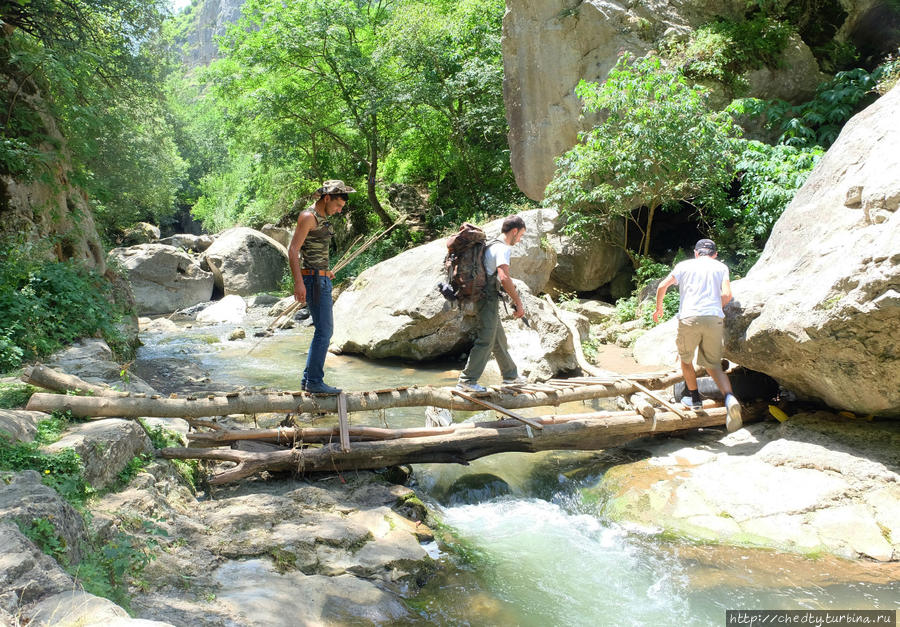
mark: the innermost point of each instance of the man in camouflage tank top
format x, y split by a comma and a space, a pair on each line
312, 278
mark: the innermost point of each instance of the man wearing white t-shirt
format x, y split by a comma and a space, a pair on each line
704, 288
491, 337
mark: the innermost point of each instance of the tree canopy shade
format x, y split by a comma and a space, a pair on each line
96, 65
406, 91
658, 144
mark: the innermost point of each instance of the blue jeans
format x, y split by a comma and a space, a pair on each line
319, 303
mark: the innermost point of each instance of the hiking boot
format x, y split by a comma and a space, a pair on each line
733, 420
520, 380
690, 403
465, 386
320, 388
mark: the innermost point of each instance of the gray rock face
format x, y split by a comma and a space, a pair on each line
19, 425
23, 499
394, 310
26, 574
105, 447
244, 261
280, 234
549, 46
141, 233
92, 360
211, 19
584, 264
164, 278
819, 311
187, 241
76, 607
816, 483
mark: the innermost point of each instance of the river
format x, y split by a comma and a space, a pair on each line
522, 547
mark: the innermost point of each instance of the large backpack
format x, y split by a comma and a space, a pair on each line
464, 264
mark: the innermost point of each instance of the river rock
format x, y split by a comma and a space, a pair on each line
163, 278
24, 498
819, 311
816, 483
19, 425
280, 234
585, 263
91, 359
188, 241
657, 346
375, 318
26, 573
140, 233
76, 607
244, 261
596, 312
105, 447
230, 309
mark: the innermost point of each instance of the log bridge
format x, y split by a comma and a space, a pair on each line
348, 447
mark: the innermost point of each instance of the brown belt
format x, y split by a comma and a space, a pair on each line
312, 272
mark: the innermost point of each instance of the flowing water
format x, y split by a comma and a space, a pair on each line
522, 547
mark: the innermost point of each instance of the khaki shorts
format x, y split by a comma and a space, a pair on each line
703, 334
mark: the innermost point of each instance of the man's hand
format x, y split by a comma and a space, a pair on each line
519, 310
299, 292
331, 275
657, 315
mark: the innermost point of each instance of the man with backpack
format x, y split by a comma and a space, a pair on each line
491, 337
704, 289
312, 278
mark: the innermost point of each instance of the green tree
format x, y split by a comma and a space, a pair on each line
306, 92
658, 144
93, 66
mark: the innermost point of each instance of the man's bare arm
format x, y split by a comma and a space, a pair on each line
668, 282
305, 222
726, 292
510, 288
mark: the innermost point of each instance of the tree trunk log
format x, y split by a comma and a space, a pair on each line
50, 379
461, 445
296, 402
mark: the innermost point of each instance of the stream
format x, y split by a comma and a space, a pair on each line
524, 548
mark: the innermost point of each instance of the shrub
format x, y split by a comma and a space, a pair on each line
45, 305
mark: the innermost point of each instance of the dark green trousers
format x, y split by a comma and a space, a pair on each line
491, 339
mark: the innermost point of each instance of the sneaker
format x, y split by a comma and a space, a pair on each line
520, 380
733, 420
690, 403
465, 386
320, 388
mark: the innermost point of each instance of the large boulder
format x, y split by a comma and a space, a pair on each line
819, 311
163, 278
585, 263
244, 262
188, 241
26, 573
549, 46
393, 309
816, 483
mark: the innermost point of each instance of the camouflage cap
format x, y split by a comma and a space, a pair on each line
334, 186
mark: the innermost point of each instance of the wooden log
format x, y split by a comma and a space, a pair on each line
97, 407
461, 446
343, 422
45, 377
641, 404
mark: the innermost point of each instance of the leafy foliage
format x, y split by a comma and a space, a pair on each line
817, 122
61, 471
90, 67
768, 178
725, 49
46, 305
658, 145
15, 395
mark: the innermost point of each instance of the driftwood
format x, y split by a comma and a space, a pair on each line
297, 402
456, 444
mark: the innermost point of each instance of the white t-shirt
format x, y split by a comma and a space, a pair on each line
699, 282
497, 254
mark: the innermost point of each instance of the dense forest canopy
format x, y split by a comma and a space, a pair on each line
403, 95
